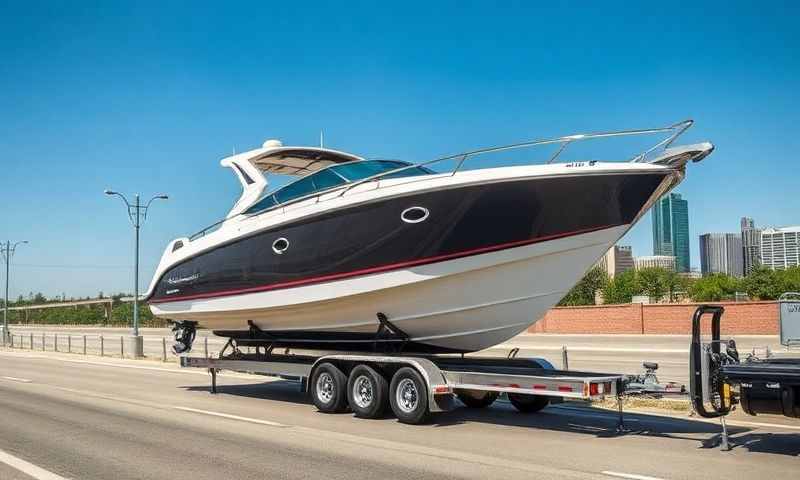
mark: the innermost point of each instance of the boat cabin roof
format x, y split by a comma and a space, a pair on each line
299, 160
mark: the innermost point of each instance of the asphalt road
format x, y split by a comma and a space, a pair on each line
622, 354
87, 417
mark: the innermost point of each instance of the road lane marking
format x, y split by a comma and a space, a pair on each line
28, 468
659, 417
631, 476
17, 379
231, 417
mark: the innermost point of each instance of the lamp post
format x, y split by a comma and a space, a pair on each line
8, 251
137, 213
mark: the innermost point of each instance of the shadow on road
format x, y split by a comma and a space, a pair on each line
569, 417
276, 391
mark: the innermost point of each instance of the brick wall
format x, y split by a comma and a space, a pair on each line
742, 318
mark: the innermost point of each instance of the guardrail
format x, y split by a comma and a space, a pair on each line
99, 345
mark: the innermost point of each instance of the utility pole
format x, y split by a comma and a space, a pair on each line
137, 214
7, 251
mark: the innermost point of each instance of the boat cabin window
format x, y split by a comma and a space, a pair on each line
360, 170
333, 176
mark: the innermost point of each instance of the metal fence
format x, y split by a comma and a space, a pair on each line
100, 345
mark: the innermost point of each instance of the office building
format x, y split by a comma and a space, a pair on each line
780, 247
671, 230
721, 253
751, 245
666, 262
617, 259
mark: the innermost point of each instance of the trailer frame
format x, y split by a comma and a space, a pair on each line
444, 376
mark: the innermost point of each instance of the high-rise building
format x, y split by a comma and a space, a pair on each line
671, 230
721, 253
617, 260
751, 245
623, 259
663, 261
780, 247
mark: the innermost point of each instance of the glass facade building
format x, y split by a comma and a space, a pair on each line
671, 230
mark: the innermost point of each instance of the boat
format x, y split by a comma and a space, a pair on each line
432, 257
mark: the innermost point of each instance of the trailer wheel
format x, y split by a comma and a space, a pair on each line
408, 396
366, 392
477, 398
328, 389
528, 403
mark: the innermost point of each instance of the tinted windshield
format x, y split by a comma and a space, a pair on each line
361, 170
333, 176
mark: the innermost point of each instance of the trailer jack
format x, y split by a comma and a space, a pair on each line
184, 333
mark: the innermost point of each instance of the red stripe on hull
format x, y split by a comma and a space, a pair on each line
380, 269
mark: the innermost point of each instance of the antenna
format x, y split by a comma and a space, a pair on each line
321, 139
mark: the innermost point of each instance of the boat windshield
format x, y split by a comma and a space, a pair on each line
333, 176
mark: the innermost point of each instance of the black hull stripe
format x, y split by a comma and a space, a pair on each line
380, 268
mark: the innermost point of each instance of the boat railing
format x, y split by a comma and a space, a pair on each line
672, 131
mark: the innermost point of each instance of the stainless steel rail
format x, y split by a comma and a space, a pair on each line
674, 132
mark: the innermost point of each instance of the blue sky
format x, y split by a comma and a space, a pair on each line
148, 97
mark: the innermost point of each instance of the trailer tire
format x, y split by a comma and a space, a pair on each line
526, 403
477, 398
366, 392
329, 389
408, 396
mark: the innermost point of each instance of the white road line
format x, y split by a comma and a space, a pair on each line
631, 476
665, 417
17, 379
229, 416
28, 468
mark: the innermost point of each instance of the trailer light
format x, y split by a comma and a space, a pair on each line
564, 388
441, 389
539, 387
594, 389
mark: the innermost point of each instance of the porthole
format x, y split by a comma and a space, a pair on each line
415, 214
280, 245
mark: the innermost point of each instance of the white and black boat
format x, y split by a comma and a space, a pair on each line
360, 254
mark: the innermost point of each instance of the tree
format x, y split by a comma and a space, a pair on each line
790, 279
763, 283
621, 288
583, 293
652, 282
714, 288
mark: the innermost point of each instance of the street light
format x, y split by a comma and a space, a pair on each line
137, 213
7, 251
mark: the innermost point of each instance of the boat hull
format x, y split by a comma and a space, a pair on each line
460, 305
486, 262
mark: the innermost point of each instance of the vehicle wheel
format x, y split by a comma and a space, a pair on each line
366, 392
528, 403
477, 398
328, 389
408, 396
